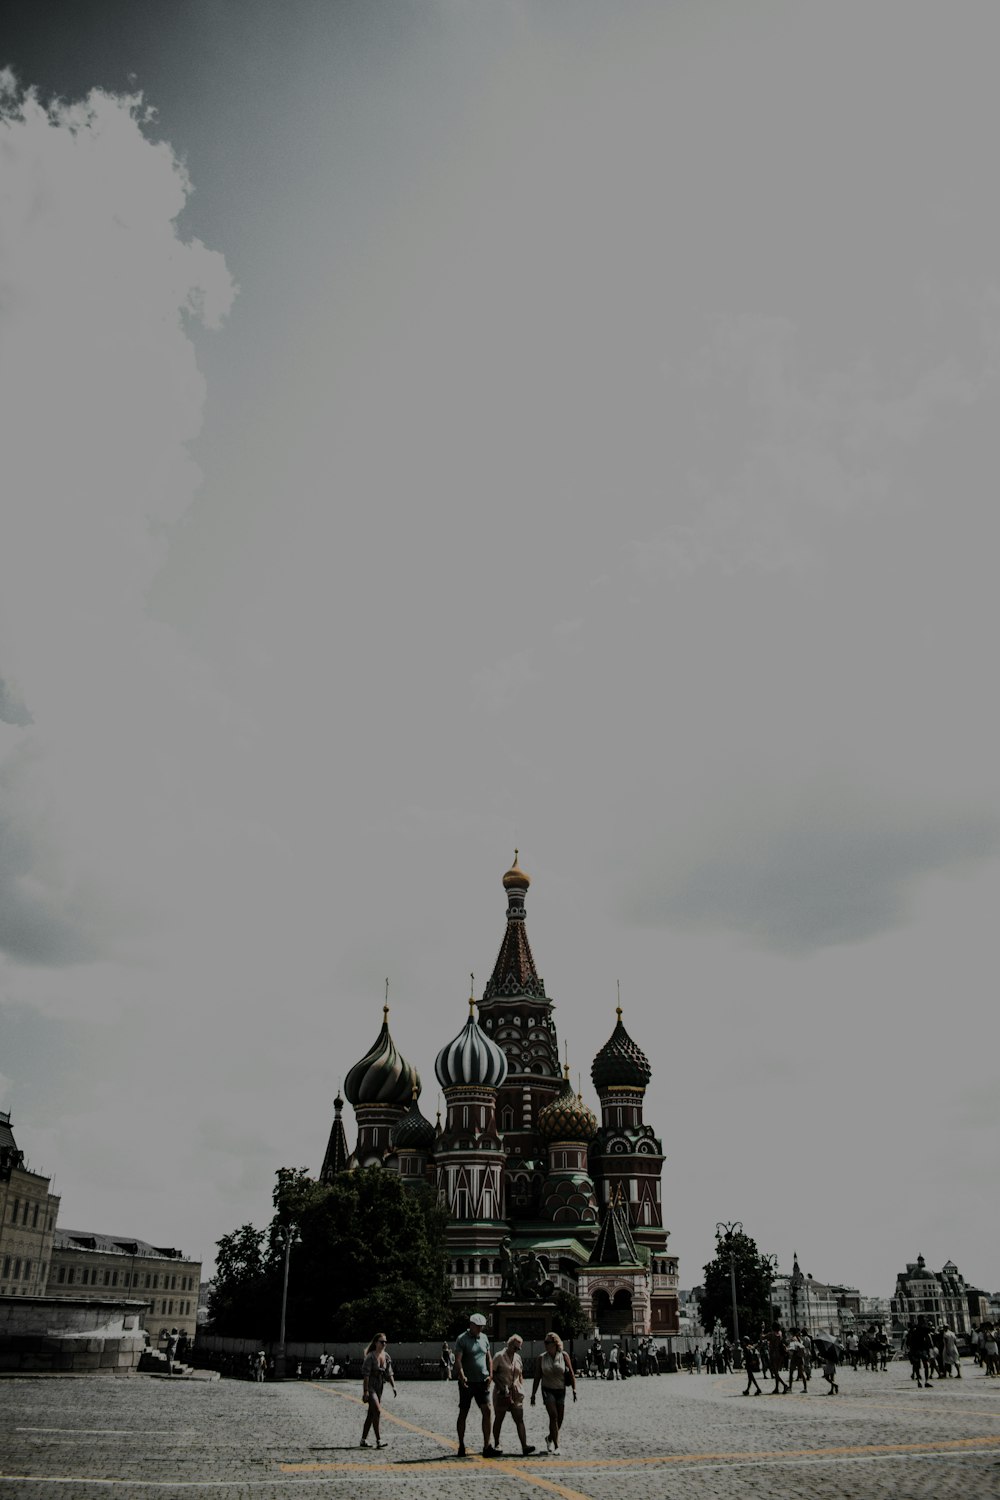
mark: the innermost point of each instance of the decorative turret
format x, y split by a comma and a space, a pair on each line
469, 1154
627, 1157
620, 1064
414, 1132
567, 1125
567, 1118
514, 972
517, 1014
383, 1076
336, 1157
472, 1060
411, 1145
381, 1086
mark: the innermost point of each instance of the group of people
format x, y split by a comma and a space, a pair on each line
494, 1383
620, 1362
794, 1353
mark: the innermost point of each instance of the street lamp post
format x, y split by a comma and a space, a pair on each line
770, 1264
726, 1231
291, 1237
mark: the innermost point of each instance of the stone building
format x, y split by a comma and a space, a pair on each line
27, 1221
100, 1266
523, 1164
937, 1296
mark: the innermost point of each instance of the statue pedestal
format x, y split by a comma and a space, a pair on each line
532, 1320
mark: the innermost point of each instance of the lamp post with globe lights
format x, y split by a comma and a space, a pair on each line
725, 1232
770, 1264
290, 1235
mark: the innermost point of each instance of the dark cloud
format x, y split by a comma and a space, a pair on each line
837, 871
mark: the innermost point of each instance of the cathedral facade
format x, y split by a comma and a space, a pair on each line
521, 1161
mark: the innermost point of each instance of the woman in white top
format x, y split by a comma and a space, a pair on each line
508, 1392
555, 1372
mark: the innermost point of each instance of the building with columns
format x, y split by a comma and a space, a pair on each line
521, 1160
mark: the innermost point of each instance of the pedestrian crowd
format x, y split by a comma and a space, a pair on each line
494, 1383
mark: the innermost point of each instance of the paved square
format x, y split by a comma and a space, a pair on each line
679, 1435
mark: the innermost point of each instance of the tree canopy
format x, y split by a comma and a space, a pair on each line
366, 1253
752, 1285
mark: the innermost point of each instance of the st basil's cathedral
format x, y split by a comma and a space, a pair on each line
521, 1161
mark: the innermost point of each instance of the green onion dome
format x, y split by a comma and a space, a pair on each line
383, 1076
414, 1132
566, 1117
620, 1063
472, 1060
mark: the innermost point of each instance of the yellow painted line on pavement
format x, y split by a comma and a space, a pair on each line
495, 1465
525, 1470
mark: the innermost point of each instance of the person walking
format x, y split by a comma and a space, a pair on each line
991, 1350
614, 1355
474, 1369
776, 1359
949, 1353
830, 1368
447, 1360
508, 1392
751, 1363
376, 1371
918, 1347
797, 1361
554, 1372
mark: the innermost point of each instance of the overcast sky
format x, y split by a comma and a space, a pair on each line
434, 427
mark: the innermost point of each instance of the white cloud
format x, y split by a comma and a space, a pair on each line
100, 398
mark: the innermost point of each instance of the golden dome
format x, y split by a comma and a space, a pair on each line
515, 878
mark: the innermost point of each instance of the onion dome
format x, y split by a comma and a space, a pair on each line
472, 1060
382, 1076
414, 1132
566, 1118
620, 1063
515, 878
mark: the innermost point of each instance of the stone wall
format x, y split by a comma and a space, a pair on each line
49, 1334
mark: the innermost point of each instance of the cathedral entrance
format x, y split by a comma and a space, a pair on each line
612, 1315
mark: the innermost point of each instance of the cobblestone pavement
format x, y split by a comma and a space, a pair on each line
679, 1435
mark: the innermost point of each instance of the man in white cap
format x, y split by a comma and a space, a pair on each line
474, 1372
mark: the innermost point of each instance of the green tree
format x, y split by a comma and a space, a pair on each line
368, 1253
569, 1320
752, 1284
237, 1297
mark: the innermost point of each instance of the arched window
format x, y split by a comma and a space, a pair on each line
507, 1118
484, 1268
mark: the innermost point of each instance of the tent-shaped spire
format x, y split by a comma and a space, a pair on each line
514, 972
337, 1154
615, 1245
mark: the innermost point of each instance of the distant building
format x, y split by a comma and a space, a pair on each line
817, 1306
936, 1296
99, 1266
27, 1221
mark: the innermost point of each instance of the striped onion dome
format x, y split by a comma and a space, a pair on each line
382, 1076
472, 1060
620, 1063
567, 1117
414, 1132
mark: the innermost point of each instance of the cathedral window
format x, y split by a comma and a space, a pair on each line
507, 1119
484, 1268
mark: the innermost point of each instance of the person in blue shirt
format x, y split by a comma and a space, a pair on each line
474, 1372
